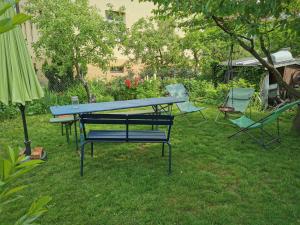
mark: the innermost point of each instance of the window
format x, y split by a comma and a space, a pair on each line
117, 69
115, 16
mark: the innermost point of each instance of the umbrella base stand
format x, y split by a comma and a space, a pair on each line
36, 153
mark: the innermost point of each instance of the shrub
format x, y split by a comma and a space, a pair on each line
57, 80
252, 75
199, 89
149, 89
7, 112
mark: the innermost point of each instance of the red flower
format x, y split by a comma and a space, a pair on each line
136, 81
128, 83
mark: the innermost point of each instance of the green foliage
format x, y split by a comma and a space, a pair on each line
150, 89
132, 88
170, 72
72, 32
116, 87
58, 80
13, 167
254, 25
155, 44
166, 52
98, 89
243, 20
36, 210
253, 75
7, 112
206, 47
206, 91
8, 23
39, 106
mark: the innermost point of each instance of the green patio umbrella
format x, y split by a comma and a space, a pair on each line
18, 81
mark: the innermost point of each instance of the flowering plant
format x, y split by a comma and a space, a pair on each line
127, 83
131, 87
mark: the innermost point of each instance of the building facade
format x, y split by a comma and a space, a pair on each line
134, 10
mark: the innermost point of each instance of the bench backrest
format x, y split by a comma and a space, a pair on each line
123, 119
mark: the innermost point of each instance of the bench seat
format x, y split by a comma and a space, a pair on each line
67, 119
133, 136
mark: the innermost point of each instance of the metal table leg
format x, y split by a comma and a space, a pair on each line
67, 132
75, 129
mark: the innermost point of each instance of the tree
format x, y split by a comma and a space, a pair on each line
155, 44
74, 34
9, 23
251, 24
207, 46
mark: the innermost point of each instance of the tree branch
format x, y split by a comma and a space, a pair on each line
265, 50
268, 65
220, 24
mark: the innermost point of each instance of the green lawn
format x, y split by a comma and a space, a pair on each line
214, 180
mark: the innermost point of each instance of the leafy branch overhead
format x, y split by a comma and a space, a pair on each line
254, 25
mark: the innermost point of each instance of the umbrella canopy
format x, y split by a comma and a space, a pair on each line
18, 81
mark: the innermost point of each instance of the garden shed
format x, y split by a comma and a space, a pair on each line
289, 68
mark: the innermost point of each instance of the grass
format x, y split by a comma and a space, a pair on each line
214, 180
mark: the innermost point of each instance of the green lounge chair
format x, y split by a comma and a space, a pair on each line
238, 100
246, 124
178, 90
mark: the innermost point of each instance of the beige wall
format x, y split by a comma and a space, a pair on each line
134, 10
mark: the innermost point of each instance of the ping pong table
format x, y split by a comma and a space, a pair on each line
156, 103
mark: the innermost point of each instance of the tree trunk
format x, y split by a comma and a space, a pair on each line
197, 62
86, 88
83, 81
296, 122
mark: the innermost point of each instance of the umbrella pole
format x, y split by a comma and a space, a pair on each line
26, 139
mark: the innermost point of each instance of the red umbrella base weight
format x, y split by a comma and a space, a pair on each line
36, 153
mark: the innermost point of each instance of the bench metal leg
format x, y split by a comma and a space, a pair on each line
75, 129
170, 158
81, 159
163, 150
92, 149
62, 129
67, 132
